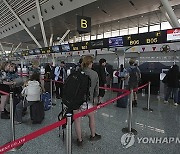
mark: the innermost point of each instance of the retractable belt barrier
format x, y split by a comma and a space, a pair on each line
33, 135
3, 92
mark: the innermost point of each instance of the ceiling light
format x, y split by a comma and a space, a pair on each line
118, 21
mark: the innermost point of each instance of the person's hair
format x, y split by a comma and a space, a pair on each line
87, 60
131, 61
62, 62
121, 68
35, 76
102, 60
4, 64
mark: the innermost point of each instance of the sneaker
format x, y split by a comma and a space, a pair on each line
165, 102
4, 115
17, 122
175, 104
79, 143
95, 138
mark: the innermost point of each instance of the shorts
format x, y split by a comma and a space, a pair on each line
4, 88
86, 106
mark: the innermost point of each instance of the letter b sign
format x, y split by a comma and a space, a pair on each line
83, 24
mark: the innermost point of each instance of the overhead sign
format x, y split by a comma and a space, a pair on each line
83, 24
145, 38
173, 34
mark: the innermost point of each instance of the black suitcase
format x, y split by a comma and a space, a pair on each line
122, 102
37, 112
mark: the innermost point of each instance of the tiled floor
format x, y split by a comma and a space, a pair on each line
164, 121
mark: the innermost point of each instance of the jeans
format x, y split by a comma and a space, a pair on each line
175, 94
19, 109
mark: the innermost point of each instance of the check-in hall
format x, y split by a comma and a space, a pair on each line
90, 76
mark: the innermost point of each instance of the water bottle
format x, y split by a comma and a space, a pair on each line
143, 92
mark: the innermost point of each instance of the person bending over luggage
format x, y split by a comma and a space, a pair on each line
32, 92
94, 91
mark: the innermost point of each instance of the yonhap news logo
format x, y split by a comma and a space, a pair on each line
128, 140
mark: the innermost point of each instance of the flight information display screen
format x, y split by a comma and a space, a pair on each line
116, 42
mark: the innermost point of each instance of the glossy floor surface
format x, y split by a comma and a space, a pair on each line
163, 122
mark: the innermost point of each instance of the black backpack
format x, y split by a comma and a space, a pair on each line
76, 90
133, 75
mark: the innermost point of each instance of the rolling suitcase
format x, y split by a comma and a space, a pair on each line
37, 112
123, 102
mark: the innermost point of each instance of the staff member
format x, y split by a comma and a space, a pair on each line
60, 75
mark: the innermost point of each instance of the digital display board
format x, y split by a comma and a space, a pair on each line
145, 38
97, 44
46, 50
75, 46
116, 41
85, 45
31, 52
55, 49
25, 53
173, 34
65, 47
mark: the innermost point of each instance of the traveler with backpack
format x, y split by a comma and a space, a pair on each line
32, 92
60, 75
134, 75
93, 92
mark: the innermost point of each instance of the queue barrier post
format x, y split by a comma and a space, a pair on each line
12, 122
129, 129
148, 99
51, 92
68, 134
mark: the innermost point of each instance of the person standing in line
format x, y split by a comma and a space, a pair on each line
60, 75
5, 86
172, 81
102, 78
134, 75
94, 91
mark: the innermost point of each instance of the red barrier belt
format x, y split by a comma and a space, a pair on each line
46, 129
136, 89
4, 93
99, 106
114, 89
31, 136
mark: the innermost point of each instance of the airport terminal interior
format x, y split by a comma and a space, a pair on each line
51, 37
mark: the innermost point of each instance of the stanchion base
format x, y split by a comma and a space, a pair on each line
146, 109
126, 130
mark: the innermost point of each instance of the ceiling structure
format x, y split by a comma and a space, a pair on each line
106, 15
